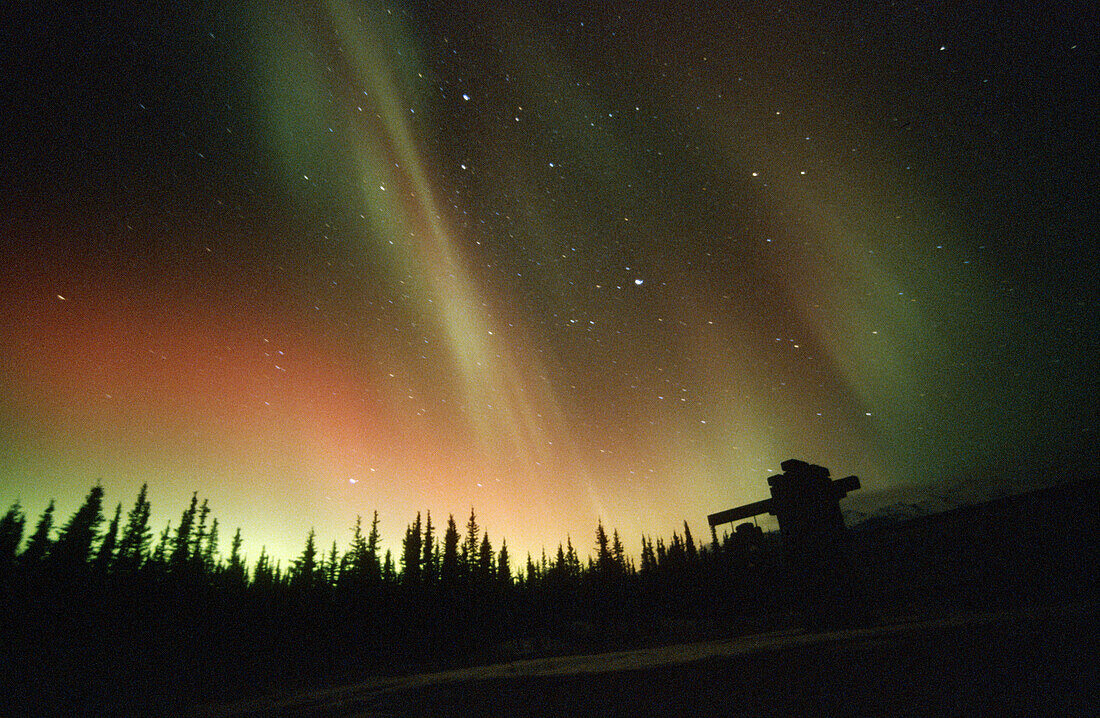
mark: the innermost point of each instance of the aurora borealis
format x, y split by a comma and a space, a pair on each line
589, 261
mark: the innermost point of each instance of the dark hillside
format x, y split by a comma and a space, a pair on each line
1040, 546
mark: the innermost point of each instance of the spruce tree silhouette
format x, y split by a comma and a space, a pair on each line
332, 566
74, 542
468, 556
649, 558
389, 569
11, 535
106, 553
372, 566
618, 553
235, 570
504, 567
449, 566
136, 536
159, 557
604, 560
353, 568
411, 554
689, 544
209, 550
181, 545
199, 535
263, 575
303, 572
572, 559
429, 566
484, 569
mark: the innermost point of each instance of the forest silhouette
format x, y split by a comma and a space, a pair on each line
108, 611
104, 614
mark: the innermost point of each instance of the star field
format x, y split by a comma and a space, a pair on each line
596, 262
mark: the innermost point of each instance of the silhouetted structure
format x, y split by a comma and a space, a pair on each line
807, 505
138, 628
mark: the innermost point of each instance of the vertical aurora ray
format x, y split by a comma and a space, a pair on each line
503, 407
865, 276
512, 417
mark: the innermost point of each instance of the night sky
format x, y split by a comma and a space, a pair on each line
594, 260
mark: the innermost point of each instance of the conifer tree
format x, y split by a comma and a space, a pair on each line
618, 553
343, 573
106, 554
649, 558
235, 569
389, 571
73, 547
373, 565
572, 560
11, 534
332, 565
197, 552
38, 545
303, 572
411, 554
560, 566
357, 553
449, 567
604, 559
210, 553
181, 546
468, 557
676, 551
504, 566
136, 536
689, 545
484, 569
160, 553
263, 576
429, 565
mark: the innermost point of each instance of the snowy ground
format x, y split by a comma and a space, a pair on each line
1037, 660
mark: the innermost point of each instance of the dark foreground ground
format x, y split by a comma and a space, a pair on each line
1039, 661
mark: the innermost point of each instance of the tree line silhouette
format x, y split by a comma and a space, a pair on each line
104, 615
105, 612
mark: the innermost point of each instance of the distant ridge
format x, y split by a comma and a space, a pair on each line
905, 511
